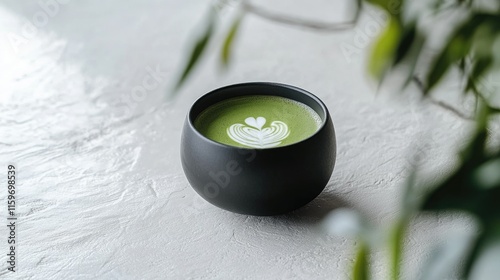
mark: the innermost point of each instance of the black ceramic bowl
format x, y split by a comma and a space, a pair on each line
258, 181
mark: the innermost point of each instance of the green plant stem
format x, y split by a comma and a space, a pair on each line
303, 23
360, 269
396, 247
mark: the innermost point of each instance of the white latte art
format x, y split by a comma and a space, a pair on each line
254, 135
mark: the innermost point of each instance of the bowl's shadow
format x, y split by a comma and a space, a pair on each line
314, 211
317, 209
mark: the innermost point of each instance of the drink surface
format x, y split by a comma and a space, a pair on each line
258, 121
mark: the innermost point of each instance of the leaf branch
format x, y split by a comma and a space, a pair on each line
439, 103
301, 22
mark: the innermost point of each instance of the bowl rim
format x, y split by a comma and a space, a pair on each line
191, 118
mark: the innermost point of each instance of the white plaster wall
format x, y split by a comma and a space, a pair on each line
101, 191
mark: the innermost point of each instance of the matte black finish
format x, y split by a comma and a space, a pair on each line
258, 181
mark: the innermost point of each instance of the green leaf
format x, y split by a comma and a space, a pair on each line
486, 266
360, 269
481, 259
383, 50
228, 42
483, 39
405, 43
457, 193
396, 247
439, 68
413, 56
198, 49
346, 223
487, 176
480, 66
445, 258
462, 190
457, 48
494, 110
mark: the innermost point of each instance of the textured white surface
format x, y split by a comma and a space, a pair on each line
101, 190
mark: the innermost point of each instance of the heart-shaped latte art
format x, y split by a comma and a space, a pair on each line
258, 122
254, 135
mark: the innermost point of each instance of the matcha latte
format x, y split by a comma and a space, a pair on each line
258, 121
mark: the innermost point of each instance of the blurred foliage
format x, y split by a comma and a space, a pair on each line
228, 42
199, 48
473, 47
